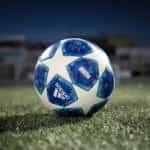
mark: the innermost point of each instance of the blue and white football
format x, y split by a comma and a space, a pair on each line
74, 77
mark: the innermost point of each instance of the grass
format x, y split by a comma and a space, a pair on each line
124, 124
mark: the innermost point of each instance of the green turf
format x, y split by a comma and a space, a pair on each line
123, 124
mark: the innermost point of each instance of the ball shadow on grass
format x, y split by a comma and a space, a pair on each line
32, 121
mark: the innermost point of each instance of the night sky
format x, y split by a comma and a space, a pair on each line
51, 20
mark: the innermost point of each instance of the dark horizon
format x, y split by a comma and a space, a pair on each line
54, 20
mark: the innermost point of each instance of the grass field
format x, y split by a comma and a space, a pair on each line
124, 124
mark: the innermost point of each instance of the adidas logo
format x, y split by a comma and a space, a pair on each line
60, 93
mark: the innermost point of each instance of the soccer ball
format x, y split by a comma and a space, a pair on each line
74, 77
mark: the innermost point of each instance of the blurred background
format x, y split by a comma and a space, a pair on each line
121, 28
